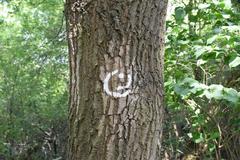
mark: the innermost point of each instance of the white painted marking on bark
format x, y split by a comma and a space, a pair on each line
116, 93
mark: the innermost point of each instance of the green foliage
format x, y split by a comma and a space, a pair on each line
192, 88
202, 78
235, 62
33, 77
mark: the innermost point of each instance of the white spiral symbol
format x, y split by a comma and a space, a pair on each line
119, 88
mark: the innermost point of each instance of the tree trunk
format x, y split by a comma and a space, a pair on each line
116, 82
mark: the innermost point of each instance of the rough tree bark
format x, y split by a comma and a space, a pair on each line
116, 82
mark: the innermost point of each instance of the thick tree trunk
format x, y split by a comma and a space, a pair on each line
116, 82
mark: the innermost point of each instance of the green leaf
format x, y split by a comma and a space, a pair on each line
235, 62
212, 39
214, 135
203, 6
214, 91
211, 147
179, 14
181, 90
226, 16
200, 50
201, 62
198, 137
227, 4
231, 95
183, 42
